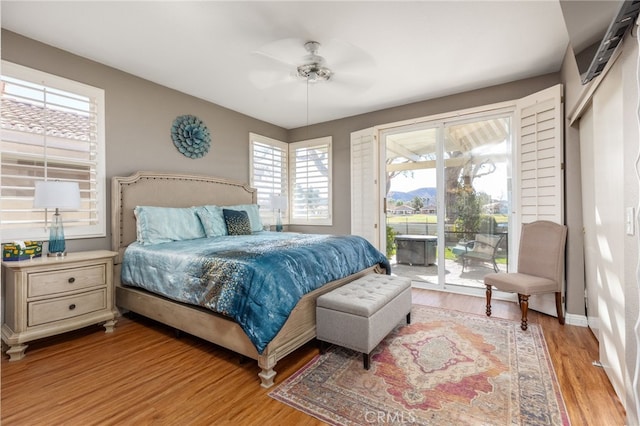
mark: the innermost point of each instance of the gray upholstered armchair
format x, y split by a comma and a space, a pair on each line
540, 267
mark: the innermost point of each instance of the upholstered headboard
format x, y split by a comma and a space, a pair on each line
167, 190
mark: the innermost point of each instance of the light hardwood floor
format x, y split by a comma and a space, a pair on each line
142, 374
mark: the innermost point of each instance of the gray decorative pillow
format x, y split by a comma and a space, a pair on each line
237, 222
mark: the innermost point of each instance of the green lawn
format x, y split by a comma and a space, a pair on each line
414, 218
431, 218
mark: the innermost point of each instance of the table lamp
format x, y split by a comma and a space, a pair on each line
278, 202
54, 194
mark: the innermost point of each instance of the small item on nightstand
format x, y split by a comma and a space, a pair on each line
279, 203
21, 250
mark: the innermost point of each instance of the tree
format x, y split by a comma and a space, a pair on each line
460, 177
467, 209
417, 203
309, 197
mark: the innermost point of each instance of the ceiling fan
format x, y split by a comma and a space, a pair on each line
282, 62
314, 69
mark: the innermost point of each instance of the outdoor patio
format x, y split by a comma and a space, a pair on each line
471, 277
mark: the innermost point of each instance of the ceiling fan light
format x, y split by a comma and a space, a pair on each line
312, 77
314, 73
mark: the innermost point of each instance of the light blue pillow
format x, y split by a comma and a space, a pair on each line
156, 225
253, 211
212, 220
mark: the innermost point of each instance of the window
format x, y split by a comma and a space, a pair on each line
310, 183
300, 171
269, 175
52, 129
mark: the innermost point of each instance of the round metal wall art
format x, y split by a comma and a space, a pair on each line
190, 136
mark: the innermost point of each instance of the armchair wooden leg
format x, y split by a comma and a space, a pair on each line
559, 307
488, 293
524, 307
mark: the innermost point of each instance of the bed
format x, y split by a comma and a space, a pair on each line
183, 190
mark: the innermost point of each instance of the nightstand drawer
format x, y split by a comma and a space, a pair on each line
45, 311
45, 283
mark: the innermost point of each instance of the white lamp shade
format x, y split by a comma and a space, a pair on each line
53, 194
278, 202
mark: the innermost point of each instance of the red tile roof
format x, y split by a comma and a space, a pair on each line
26, 117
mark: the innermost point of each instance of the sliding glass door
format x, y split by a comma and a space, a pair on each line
411, 200
448, 200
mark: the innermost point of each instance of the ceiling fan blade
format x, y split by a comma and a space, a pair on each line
286, 51
346, 57
267, 79
353, 82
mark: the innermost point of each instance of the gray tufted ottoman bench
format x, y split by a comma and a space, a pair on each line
361, 313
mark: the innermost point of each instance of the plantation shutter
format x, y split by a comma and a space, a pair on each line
310, 202
540, 156
365, 206
540, 162
52, 129
269, 175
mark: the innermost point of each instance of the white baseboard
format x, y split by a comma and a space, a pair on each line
573, 319
570, 319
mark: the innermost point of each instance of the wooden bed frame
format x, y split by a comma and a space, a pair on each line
181, 190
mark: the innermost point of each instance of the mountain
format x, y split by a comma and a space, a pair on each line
425, 193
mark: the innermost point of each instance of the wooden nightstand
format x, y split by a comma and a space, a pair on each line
46, 296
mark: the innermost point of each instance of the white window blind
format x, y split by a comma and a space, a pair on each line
310, 165
52, 129
269, 162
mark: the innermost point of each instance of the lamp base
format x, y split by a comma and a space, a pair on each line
57, 244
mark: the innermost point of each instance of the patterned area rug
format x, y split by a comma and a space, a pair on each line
446, 368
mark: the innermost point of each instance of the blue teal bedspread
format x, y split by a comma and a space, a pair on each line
254, 279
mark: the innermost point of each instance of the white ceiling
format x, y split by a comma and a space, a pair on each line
383, 53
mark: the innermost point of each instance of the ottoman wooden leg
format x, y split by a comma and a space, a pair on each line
366, 358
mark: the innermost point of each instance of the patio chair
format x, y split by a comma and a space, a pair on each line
540, 267
483, 249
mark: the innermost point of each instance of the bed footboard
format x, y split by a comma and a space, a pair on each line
299, 329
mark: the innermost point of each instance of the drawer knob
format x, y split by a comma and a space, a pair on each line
72, 306
72, 280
